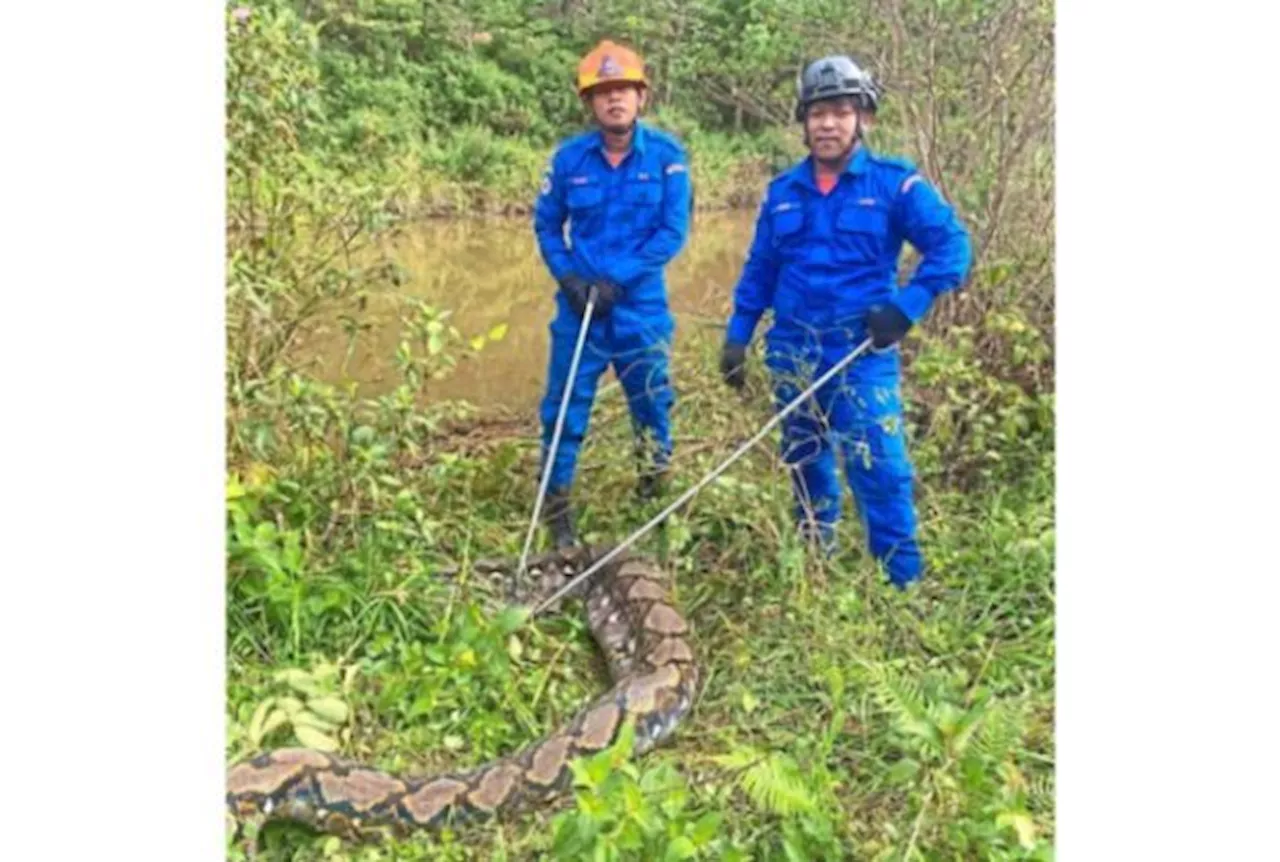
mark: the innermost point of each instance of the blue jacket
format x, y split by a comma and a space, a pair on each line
625, 224
820, 262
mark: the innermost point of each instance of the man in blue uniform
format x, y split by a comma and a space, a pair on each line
624, 189
824, 260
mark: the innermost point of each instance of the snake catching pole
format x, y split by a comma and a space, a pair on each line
555, 437
657, 519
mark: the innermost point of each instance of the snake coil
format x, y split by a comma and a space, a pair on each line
644, 640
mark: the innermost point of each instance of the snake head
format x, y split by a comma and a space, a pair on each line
547, 573
544, 574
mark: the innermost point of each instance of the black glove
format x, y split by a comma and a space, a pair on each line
733, 365
608, 295
886, 325
575, 290
578, 291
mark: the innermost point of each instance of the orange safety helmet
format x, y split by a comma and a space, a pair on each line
610, 61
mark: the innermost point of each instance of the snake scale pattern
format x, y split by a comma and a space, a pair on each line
644, 640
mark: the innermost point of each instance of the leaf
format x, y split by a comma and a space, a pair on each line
258, 722
903, 771
349, 676
793, 852
310, 719
274, 722
681, 848
324, 672
1022, 824
329, 708
835, 681
291, 705
749, 701
707, 827
312, 738
903, 699
258, 475
511, 618
776, 785
424, 704
298, 680
498, 332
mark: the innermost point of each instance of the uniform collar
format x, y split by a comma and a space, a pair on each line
806, 171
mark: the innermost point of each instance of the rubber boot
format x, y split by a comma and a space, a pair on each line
560, 520
651, 469
822, 537
652, 483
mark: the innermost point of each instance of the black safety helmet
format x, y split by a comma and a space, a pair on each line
833, 76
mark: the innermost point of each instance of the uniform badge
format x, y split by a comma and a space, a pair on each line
609, 67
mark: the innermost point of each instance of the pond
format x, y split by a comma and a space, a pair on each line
489, 272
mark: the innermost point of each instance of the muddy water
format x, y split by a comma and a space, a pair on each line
489, 273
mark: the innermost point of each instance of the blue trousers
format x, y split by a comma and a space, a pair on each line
640, 359
856, 419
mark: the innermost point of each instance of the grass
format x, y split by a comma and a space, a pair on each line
839, 719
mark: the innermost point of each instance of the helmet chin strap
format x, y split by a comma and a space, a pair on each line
853, 145
628, 129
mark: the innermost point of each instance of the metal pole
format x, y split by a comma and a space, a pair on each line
555, 437
799, 399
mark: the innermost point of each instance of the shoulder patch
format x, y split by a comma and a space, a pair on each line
791, 174
548, 171
909, 182
570, 149
780, 181
675, 168
900, 162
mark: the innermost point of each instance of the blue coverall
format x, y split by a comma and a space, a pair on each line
625, 225
819, 262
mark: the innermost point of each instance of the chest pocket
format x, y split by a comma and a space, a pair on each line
862, 232
645, 192
786, 220
585, 198
641, 201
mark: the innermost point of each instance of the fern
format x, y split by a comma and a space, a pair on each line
1042, 793
773, 781
1001, 729
903, 699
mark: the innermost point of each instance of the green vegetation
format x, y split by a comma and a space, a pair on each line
839, 718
